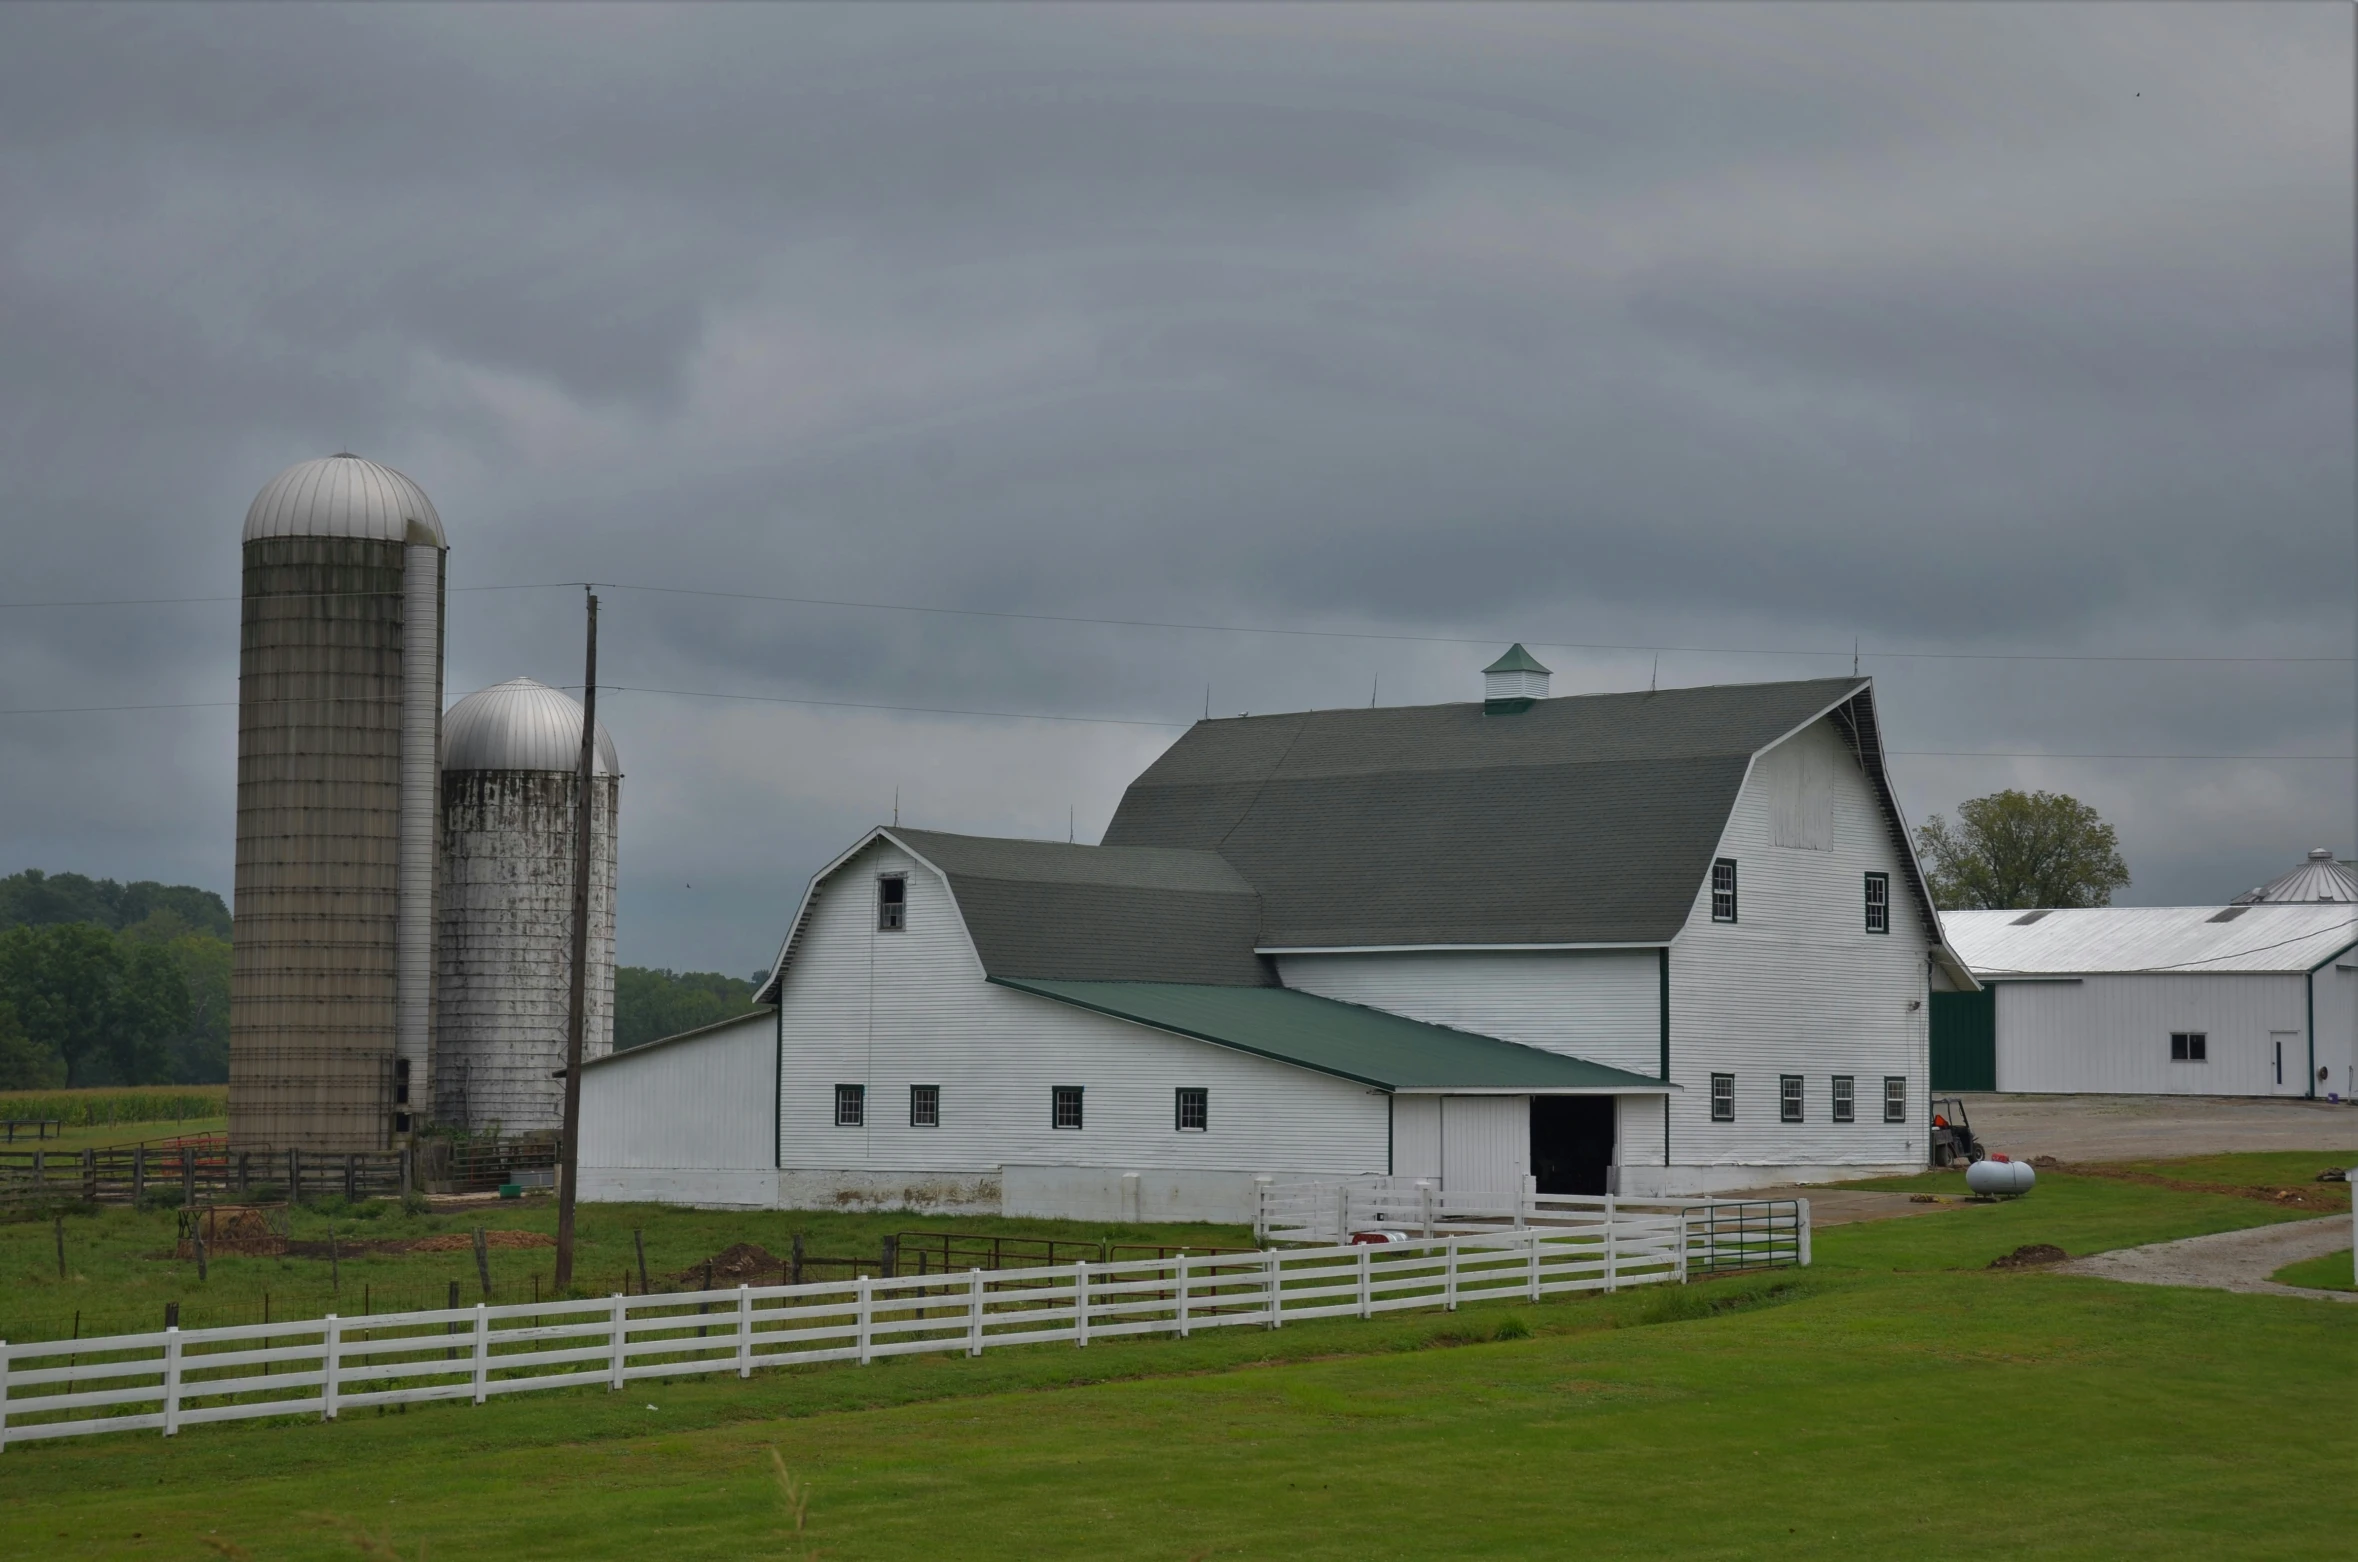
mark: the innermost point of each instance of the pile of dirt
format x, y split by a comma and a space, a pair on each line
235, 1230
2030, 1256
742, 1263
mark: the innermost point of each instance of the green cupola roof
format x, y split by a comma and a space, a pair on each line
1517, 660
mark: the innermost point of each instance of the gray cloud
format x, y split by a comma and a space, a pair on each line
1953, 328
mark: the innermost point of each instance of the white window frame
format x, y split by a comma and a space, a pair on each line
1895, 1098
1723, 1098
2190, 1046
1728, 893
1878, 893
1789, 1100
930, 1098
1846, 1098
1202, 1101
851, 1106
892, 916
1057, 1095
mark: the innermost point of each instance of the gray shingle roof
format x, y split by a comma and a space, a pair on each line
1588, 819
1389, 1051
1052, 911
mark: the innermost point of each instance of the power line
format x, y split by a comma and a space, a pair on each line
1192, 626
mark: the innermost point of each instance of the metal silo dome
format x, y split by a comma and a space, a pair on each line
520, 725
344, 495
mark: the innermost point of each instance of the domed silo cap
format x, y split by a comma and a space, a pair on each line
520, 725
344, 495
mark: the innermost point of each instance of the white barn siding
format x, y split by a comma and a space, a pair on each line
1797, 985
888, 1010
1602, 1005
2111, 1033
685, 1122
2337, 1028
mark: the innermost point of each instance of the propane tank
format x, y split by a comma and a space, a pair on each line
2000, 1177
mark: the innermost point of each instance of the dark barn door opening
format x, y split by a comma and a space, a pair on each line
1571, 1143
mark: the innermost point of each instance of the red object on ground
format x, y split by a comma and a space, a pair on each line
1378, 1238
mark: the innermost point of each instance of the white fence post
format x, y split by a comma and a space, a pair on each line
1276, 1294
1801, 1216
974, 1312
862, 1316
621, 1333
1449, 1281
1081, 1303
1612, 1249
172, 1381
1366, 1280
744, 1330
1684, 1237
1183, 1278
4, 1395
1424, 1195
1342, 1213
1261, 1186
330, 1357
1533, 1281
482, 1352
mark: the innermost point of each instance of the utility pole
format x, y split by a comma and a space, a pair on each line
576, 1006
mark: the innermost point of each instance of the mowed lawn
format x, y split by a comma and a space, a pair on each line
1899, 1399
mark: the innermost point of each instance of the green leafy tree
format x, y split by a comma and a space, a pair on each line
2014, 851
106, 1007
24, 1063
36, 899
651, 1003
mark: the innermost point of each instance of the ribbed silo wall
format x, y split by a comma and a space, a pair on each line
313, 976
505, 945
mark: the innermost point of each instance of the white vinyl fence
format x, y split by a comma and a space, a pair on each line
1721, 1234
320, 1366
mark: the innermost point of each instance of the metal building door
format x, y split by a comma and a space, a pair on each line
1485, 1143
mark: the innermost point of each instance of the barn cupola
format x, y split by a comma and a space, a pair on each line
1513, 683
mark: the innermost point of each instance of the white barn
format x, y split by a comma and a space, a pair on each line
2253, 999
1668, 942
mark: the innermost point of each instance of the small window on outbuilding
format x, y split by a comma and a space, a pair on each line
1846, 1098
1723, 890
925, 1106
1723, 1098
1895, 1098
1192, 1111
892, 902
1878, 902
851, 1106
1788, 1098
2190, 1046
1064, 1106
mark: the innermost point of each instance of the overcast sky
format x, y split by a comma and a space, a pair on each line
1994, 329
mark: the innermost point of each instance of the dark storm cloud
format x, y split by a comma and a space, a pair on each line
1989, 328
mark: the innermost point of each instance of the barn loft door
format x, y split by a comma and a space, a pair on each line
1965, 1040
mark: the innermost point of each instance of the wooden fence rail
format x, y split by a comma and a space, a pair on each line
174, 1378
130, 1174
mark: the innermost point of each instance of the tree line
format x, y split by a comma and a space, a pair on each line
103, 983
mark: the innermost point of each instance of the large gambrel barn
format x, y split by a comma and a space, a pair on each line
1662, 942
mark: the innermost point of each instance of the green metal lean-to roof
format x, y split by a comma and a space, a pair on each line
1388, 1051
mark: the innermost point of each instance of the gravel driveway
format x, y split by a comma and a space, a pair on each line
2141, 1128
2225, 1260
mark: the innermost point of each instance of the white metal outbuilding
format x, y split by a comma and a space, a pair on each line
2257, 999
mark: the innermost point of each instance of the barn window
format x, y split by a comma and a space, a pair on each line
2190, 1046
1723, 890
925, 1106
1723, 1098
1878, 902
892, 903
1895, 1098
1064, 1106
851, 1106
1193, 1112
1788, 1098
1846, 1099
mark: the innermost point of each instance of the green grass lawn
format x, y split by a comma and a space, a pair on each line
2326, 1272
1897, 1398
73, 1141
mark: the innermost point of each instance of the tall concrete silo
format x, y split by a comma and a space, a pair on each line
339, 708
511, 787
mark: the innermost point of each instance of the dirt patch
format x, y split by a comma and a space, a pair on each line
2030, 1256
744, 1263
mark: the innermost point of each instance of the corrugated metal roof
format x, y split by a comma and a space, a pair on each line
1388, 1051
1100, 913
2318, 879
344, 495
2099, 939
520, 725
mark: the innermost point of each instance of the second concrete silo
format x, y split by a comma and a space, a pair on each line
511, 758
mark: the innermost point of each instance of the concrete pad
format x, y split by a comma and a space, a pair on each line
2141, 1128
2225, 1260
